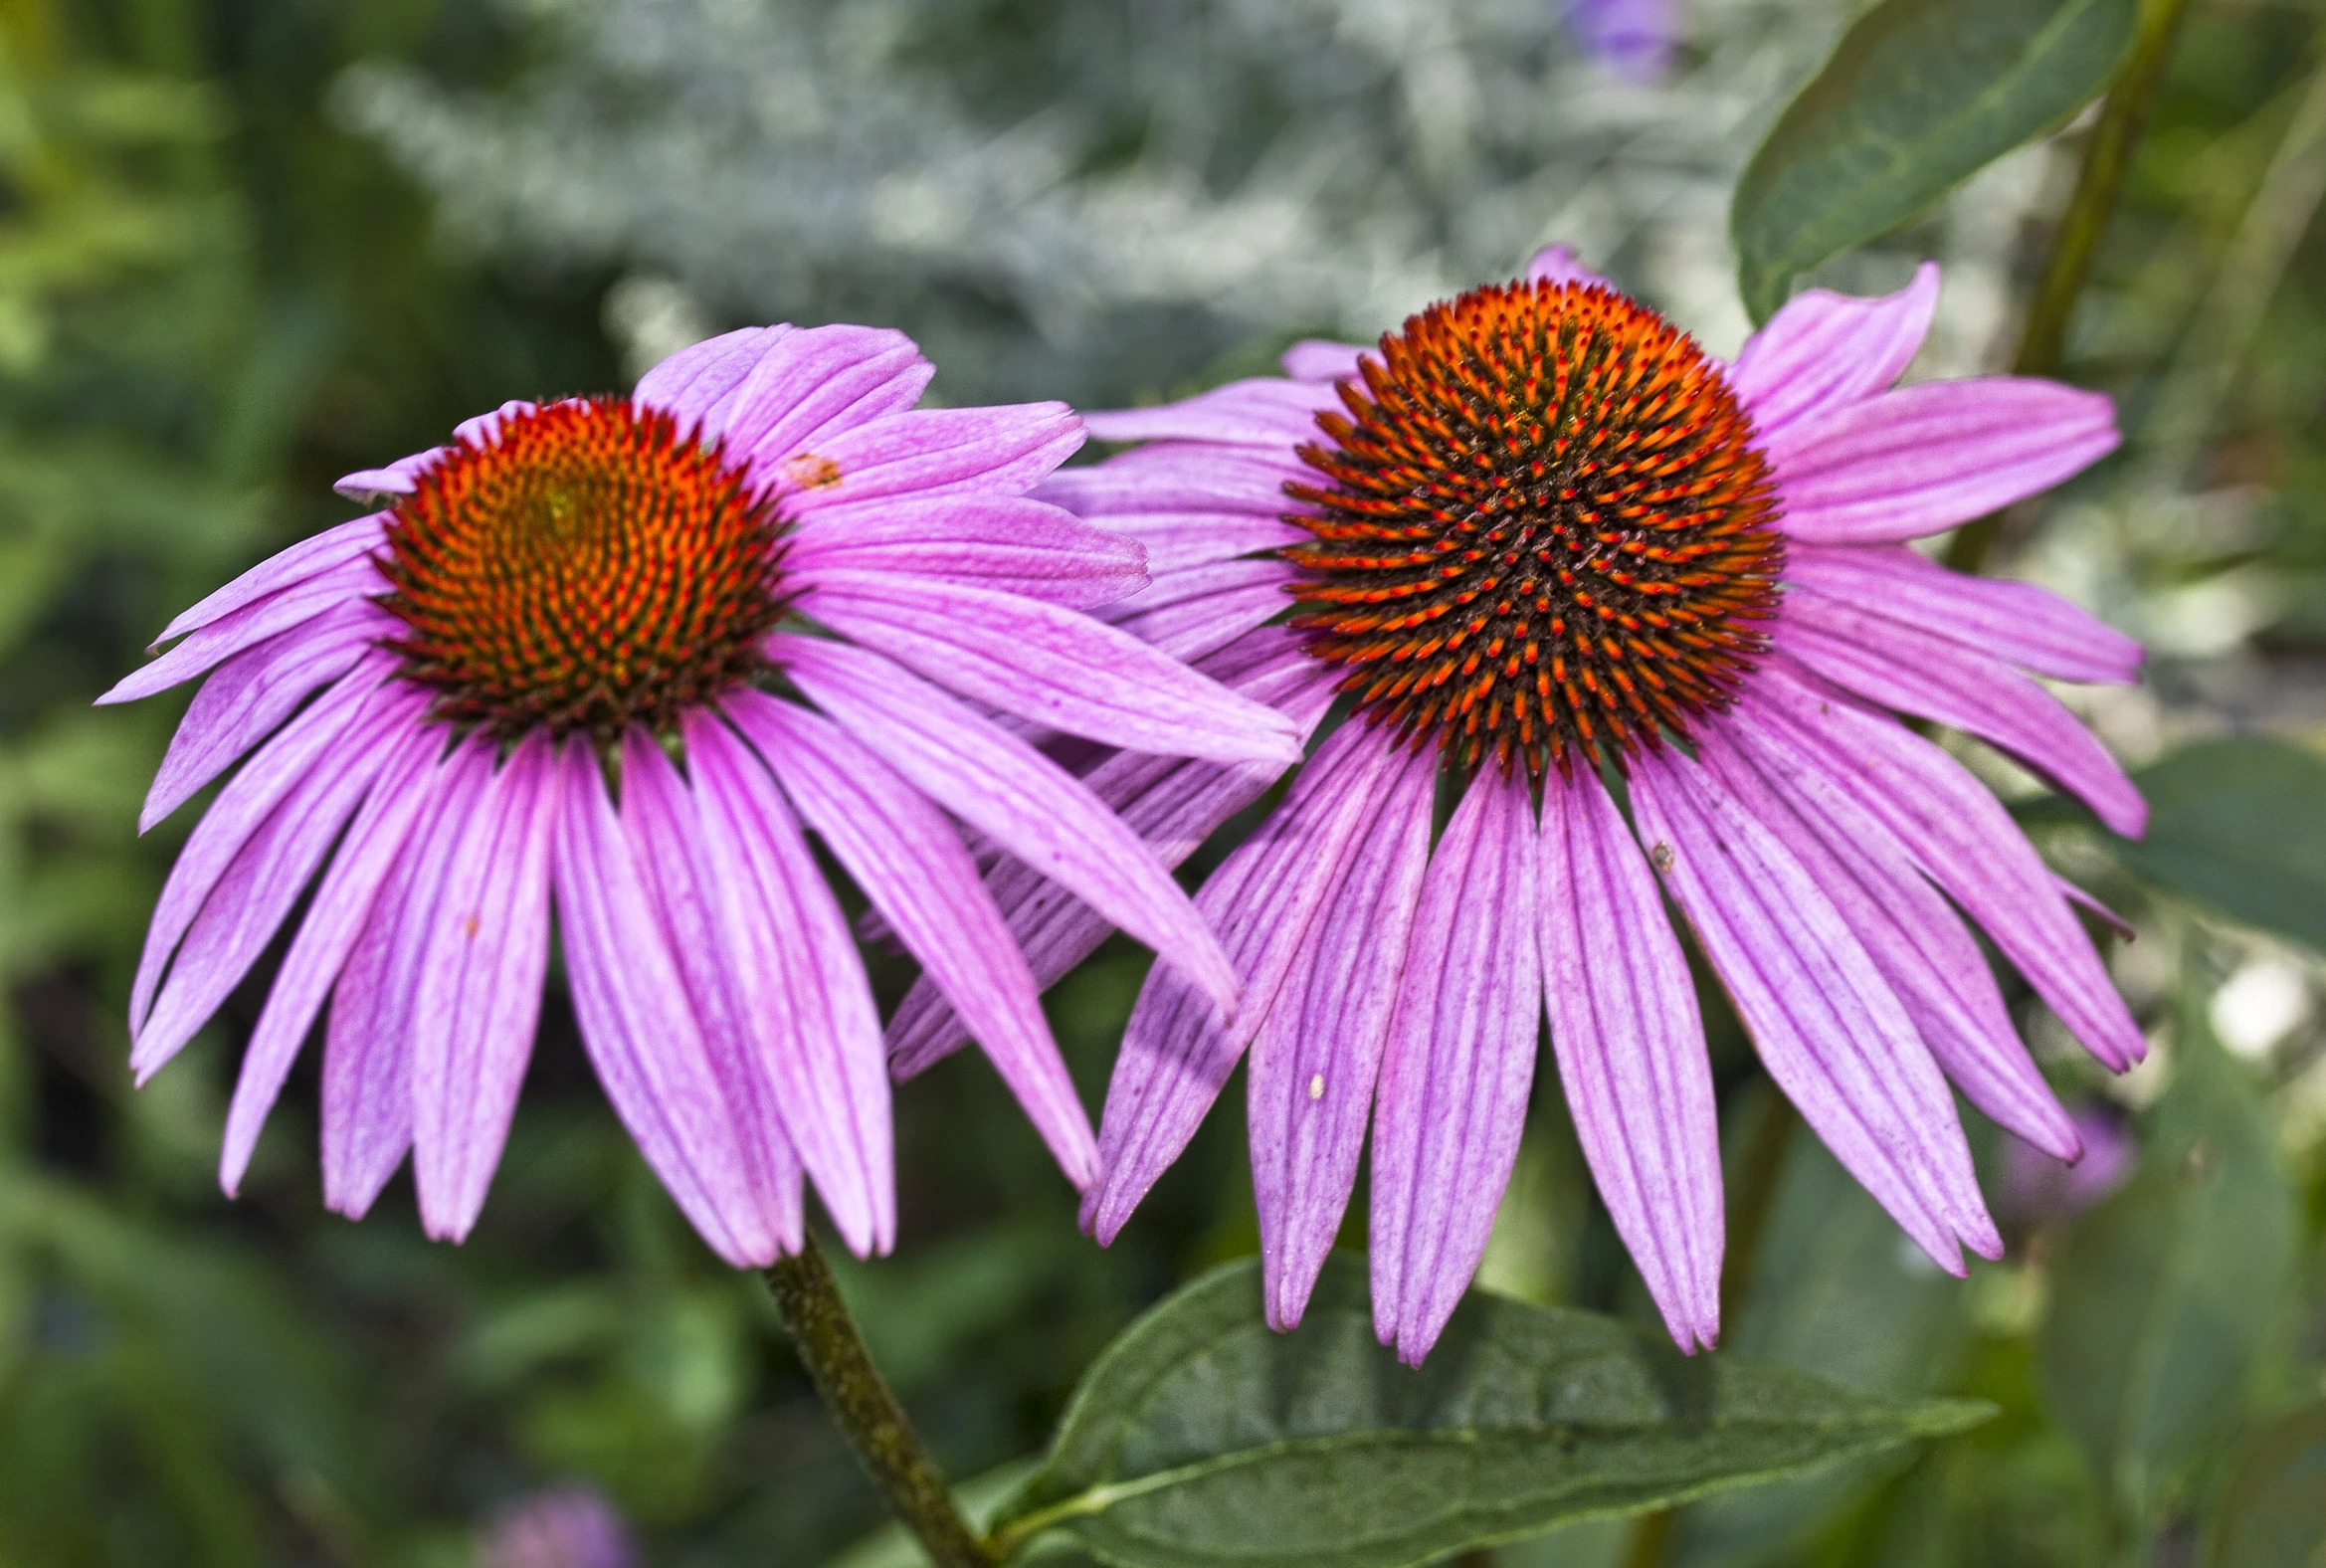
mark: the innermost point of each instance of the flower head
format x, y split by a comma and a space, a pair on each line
1647, 620
601, 663
571, 1526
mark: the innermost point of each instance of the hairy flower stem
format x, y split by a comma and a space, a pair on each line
858, 1399
2106, 159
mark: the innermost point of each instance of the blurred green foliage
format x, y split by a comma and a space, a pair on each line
212, 300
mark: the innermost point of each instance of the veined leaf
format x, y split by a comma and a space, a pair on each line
2236, 826
2272, 1511
1202, 1438
1919, 95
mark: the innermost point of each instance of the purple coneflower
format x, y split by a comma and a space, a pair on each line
1553, 556
611, 656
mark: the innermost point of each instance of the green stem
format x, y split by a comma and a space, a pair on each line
2106, 159
857, 1396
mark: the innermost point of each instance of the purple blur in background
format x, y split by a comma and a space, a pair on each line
1632, 39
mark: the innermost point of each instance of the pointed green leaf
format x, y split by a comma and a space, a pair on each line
1919, 95
1202, 1438
2236, 826
2272, 1511
2163, 1296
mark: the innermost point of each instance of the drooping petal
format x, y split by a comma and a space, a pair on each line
1909, 930
809, 387
932, 452
240, 813
1960, 837
2018, 622
1828, 1025
1556, 263
308, 558
399, 801
911, 863
1192, 614
481, 955
1179, 542
1924, 458
1315, 359
211, 644
1059, 669
1824, 351
1172, 803
264, 880
1025, 803
1177, 1051
1630, 1045
1933, 677
252, 693
1317, 1059
1460, 1065
1005, 543
736, 1183
400, 477
797, 999
1258, 412
367, 1044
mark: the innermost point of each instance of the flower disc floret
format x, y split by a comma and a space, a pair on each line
1541, 524
585, 566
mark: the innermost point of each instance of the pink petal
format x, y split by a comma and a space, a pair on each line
1933, 677
1556, 263
1178, 477
1314, 359
911, 863
1177, 1051
1824, 351
480, 955
1003, 543
2019, 623
404, 796
284, 765
1925, 457
931, 452
1261, 412
811, 386
1631, 1051
400, 477
269, 870
222, 638
1178, 541
367, 1046
1192, 614
483, 430
1960, 837
1909, 930
1173, 804
734, 1180
697, 386
1025, 803
798, 1002
1828, 1025
1317, 1059
308, 558
1059, 669
246, 698
1460, 1065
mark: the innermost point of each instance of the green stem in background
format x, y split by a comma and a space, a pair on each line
857, 1396
2106, 159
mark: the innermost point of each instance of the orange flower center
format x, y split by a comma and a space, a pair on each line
584, 568
1541, 526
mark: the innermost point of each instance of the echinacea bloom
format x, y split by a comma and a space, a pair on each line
605, 659
1553, 557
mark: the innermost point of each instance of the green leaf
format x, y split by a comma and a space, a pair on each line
2272, 1511
1919, 95
1202, 1438
2236, 826
2165, 1296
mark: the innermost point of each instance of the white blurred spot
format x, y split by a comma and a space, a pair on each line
652, 319
2260, 1005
